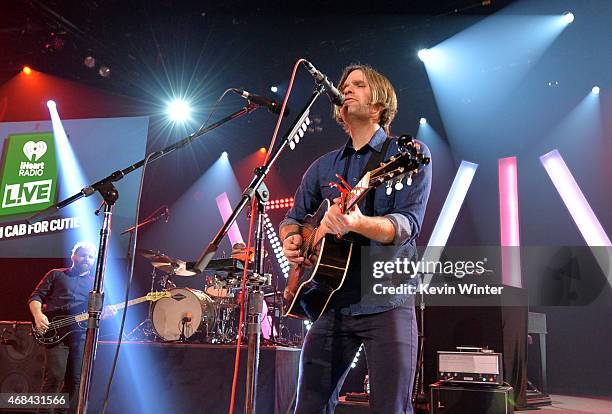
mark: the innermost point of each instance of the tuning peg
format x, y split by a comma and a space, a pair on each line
409, 180
389, 188
399, 185
292, 145
404, 142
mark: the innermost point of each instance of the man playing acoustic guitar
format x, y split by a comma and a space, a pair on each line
386, 326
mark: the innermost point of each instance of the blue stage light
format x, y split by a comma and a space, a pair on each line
595, 90
568, 17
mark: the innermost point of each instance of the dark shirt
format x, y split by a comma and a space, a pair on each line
63, 289
405, 208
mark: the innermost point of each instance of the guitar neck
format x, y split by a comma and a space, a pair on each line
83, 316
357, 199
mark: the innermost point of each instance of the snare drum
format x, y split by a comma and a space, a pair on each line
186, 307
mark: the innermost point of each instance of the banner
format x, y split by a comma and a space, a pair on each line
29, 176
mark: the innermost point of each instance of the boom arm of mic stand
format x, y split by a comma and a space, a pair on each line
119, 174
141, 224
249, 192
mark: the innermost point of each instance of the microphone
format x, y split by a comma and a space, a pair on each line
335, 96
271, 104
186, 317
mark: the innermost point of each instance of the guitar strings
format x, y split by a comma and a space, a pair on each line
62, 322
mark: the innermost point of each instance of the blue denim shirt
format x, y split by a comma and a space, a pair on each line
405, 208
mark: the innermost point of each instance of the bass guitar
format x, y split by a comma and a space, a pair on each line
310, 289
61, 325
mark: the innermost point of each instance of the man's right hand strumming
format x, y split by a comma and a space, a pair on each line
41, 321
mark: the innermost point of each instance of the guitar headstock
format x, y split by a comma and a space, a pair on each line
402, 165
153, 296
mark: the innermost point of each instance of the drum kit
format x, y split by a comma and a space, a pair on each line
210, 315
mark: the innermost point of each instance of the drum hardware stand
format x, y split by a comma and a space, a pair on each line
146, 326
255, 189
110, 195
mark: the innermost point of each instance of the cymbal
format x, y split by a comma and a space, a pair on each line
175, 269
166, 264
229, 265
154, 256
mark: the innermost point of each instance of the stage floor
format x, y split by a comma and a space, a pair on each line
567, 404
561, 404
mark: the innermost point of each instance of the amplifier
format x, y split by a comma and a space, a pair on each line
458, 399
481, 367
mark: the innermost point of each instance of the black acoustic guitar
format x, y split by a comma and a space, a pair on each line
61, 324
310, 289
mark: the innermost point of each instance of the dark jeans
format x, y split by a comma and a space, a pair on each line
390, 341
63, 366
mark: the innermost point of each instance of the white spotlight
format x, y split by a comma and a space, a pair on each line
595, 90
424, 54
274, 89
422, 121
51, 104
568, 17
224, 154
178, 110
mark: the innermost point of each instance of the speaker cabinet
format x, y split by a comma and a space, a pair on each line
21, 358
447, 399
500, 328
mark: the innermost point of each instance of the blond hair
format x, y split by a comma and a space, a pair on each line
383, 94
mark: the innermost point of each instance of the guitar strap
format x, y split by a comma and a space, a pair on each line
368, 203
373, 162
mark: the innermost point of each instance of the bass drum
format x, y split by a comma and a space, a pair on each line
191, 308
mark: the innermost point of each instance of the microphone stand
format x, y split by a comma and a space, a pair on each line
419, 398
256, 298
257, 189
110, 195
